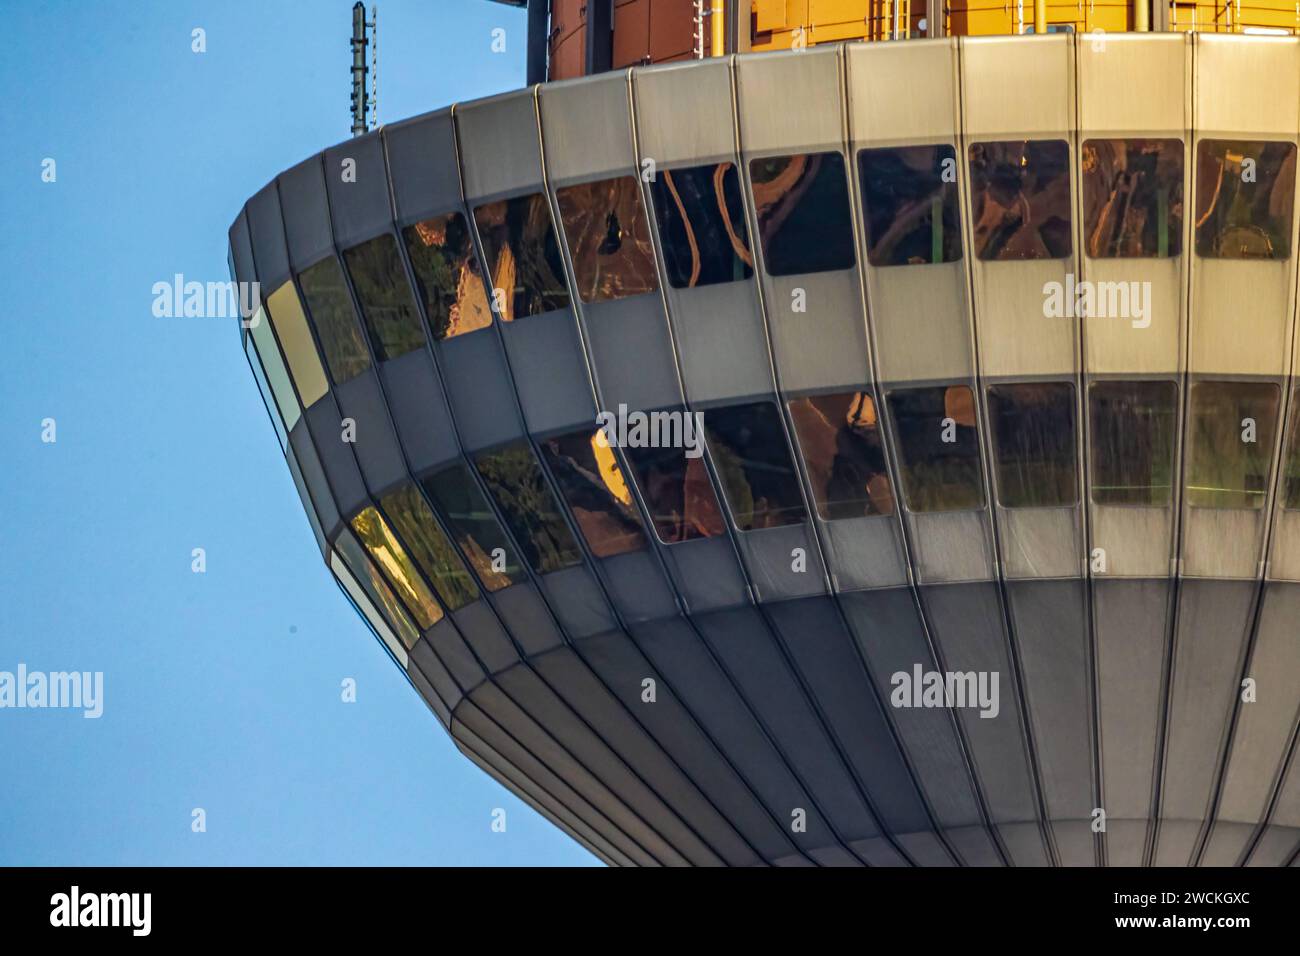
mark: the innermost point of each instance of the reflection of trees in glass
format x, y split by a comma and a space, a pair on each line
385, 551
336, 324
911, 206
475, 527
938, 475
429, 546
522, 255
1033, 444
372, 582
839, 436
1225, 470
446, 274
609, 239
596, 493
515, 482
678, 493
385, 296
1132, 197
1133, 434
753, 460
802, 204
702, 225
1244, 195
1020, 199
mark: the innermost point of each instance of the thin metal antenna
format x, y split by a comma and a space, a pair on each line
374, 67
360, 106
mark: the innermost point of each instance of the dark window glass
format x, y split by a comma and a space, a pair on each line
1033, 444
609, 239
1291, 476
1244, 194
597, 493
702, 225
446, 274
1020, 199
1133, 433
331, 312
515, 481
910, 197
677, 491
429, 546
387, 308
839, 436
1132, 198
753, 461
377, 589
1231, 435
389, 555
938, 447
474, 526
803, 213
522, 256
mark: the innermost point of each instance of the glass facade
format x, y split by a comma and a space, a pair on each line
515, 481
387, 308
1230, 437
938, 447
802, 204
522, 256
1020, 199
392, 559
1034, 444
1132, 198
758, 478
295, 338
702, 225
1245, 191
909, 194
429, 546
446, 274
609, 239
596, 491
1134, 434
475, 528
844, 454
326, 292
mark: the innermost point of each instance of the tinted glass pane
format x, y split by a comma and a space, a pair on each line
1244, 195
609, 239
1231, 435
522, 255
515, 482
594, 488
373, 583
753, 461
839, 436
397, 567
331, 311
677, 490
1291, 475
1033, 444
429, 546
938, 447
910, 197
290, 324
1020, 199
803, 213
702, 225
1133, 433
446, 274
387, 308
475, 527
276, 373
1132, 198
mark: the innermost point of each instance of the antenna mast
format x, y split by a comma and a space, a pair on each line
360, 98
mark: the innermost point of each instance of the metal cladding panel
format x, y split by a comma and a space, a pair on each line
1138, 541
486, 637
527, 618
1286, 814
550, 371
865, 552
431, 665
307, 504
721, 342
313, 476
620, 720
637, 586
615, 659
420, 415
478, 388
952, 546
337, 459
587, 128
906, 95
1214, 624
423, 165
1227, 339
375, 444
542, 714
446, 641
827, 661
306, 213
771, 556
368, 610
968, 628
790, 101
1276, 847
266, 230
1041, 542
431, 697
707, 573
755, 662
632, 352
1284, 542
578, 602
499, 148
241, 251
360, 208
1014, 335
672, 136
1223, 542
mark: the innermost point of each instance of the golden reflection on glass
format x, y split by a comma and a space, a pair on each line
1132, 198
1231, 435
609, 239
1244, 195
702, 225
1020, 199
447, 276
592, 485
397, 566
429, 546
522, 256
802, 203
381, 595
839, 437
677, 492
290, 324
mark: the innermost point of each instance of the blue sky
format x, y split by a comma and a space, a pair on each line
221, 690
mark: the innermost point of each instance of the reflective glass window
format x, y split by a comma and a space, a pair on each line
482, 540
367, 574
429, 546
274, 370
1291, 475
1132, 198
447, 276
938, 448
910, 197
385, 550
802, 204
264, 387
1244, 195
596, 491
609, 239
1231, 434
1034, 444
515, 481
758, 477
331, 311
702, 225
1020, 199
839, 437
677, 491
387, 307
522, 256
1134, 430
295, 338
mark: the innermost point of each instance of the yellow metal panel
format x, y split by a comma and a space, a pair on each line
770, 15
